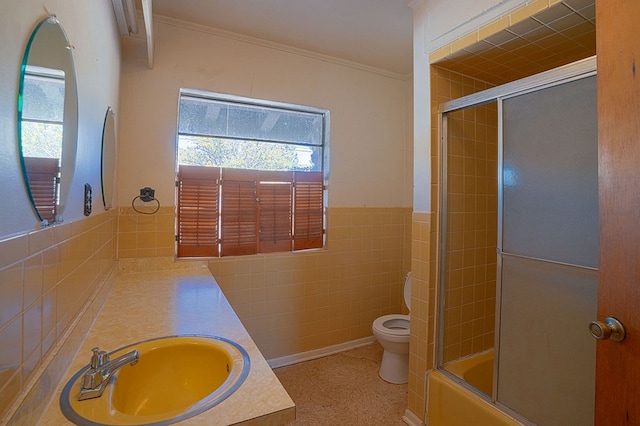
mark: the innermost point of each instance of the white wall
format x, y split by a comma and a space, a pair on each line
421, 112
370, 147
90, 27
447, 21
437, 23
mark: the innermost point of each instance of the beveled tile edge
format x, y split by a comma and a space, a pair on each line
34, 399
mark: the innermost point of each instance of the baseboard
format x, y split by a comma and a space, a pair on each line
319, 353
411, 418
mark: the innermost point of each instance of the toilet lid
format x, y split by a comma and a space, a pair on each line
407, 291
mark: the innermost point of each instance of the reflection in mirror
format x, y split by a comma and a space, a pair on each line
47, 119
108, 158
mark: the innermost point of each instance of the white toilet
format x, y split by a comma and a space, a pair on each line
392, 331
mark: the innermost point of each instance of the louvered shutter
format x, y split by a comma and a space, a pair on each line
44, 177
198, 211
239, 212
275, 195
308, 210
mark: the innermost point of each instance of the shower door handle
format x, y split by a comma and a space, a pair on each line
610, 328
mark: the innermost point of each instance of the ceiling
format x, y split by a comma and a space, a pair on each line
559, 35
378, 33
375, 33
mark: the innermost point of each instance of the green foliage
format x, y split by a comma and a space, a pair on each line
42, 140
241, 154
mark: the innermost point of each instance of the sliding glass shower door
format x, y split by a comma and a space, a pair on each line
546, 239
549, 254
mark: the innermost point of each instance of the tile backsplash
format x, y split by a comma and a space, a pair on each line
296, 302
46, 278
289, 302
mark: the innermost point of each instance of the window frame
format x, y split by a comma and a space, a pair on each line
324, 166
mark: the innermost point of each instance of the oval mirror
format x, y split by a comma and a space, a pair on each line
108, 158
48, 119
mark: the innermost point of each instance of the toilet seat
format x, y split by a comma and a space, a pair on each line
392, 325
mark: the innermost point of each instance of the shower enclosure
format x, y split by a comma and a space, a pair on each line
518, 244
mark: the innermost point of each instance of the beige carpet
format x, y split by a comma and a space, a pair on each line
344, 389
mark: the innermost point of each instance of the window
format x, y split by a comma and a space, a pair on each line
250, 176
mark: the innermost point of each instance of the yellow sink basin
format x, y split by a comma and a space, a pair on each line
175, 378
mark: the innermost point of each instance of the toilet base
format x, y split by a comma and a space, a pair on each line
394, 368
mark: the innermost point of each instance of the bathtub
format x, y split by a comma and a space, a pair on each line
477, 370
449, 403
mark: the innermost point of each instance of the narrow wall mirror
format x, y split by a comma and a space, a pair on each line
108, 172
47, 119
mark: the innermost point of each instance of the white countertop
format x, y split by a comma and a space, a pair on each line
146, 305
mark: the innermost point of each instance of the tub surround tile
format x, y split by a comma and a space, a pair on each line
185, 301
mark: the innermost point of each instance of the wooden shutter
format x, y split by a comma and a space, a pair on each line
43, 176
308, 228
239, 212
275, 201
198, 211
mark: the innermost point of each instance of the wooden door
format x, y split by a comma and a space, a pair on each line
618, 364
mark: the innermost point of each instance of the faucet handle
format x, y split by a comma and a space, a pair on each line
99, 358
92, 379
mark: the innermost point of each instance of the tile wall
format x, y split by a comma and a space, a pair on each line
445, 86
422, 308
472, 218
534, 37
297, 302
540, 35
146, 232
46, 279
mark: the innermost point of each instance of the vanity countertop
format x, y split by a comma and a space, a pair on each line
146, 305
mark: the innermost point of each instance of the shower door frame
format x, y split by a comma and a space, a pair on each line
565, 74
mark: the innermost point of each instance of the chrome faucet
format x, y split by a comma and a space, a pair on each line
101, 369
